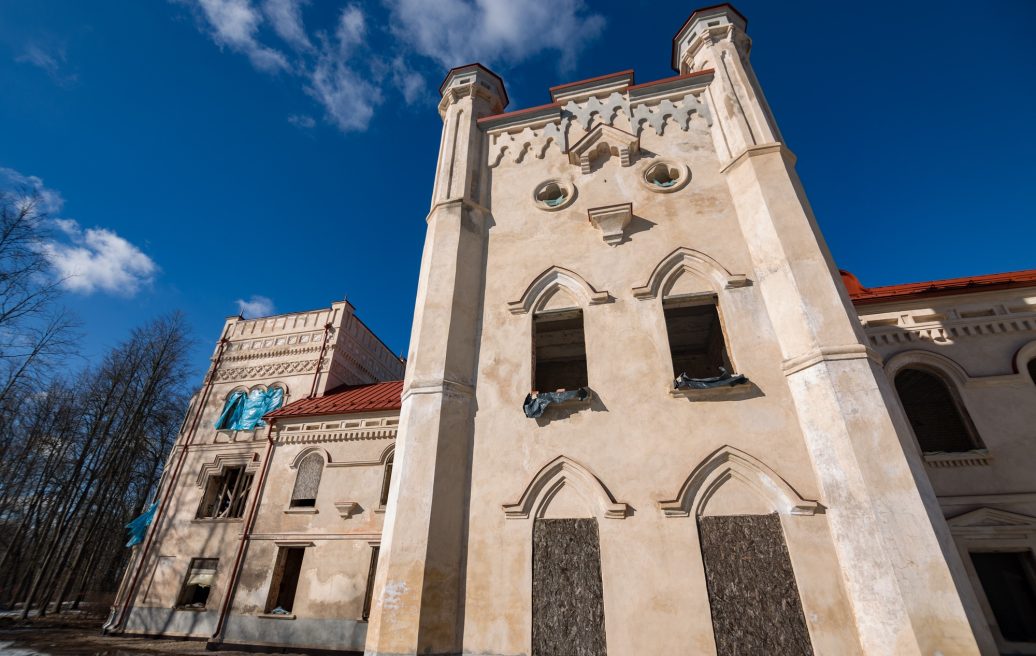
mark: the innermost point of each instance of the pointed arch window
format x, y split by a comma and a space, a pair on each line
939, 420
386, 479
307, 481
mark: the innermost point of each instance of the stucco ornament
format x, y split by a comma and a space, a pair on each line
606, 109
656, 115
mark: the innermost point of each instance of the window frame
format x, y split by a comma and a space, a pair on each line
181, 603
292, 501
240, 495
697, 300
977, 444
273, 594
372, 572
548, 316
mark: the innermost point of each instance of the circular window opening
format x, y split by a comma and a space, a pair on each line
553, 195
663, 176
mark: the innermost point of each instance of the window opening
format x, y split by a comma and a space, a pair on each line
369, 595
696, 341
226, 494
1009, 581
307, 482
937, 419
285, 580
1032, 370
386, 480
662, 175
196, 587
560, 350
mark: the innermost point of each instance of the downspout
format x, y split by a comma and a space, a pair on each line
320, 361
160, 512
246, 536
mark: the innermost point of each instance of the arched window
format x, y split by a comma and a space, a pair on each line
386, 480
244, 411
1032, 370
939, 421
307, 482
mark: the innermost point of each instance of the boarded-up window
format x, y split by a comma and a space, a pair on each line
567, 594
226, 494
196, 587
285, 580
386, 479
937, 419
369, 594
560, 350
696, 341
752, 593
1009, 581
307, 482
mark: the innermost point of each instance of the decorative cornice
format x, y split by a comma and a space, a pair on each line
267, 370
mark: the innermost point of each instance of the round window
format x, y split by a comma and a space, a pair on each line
553, 195
665, 176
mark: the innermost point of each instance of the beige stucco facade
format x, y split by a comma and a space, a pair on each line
616, 203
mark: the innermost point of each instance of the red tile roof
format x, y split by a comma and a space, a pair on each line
861, 295
346, 399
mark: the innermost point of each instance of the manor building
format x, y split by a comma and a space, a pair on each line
642, 412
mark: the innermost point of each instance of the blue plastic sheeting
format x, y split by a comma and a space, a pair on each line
245, 411
138, 527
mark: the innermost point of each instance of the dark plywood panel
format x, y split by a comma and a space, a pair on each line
752, 593
567, 594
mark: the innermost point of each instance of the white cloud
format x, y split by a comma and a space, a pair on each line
27, 187
286, 18
302, 121
235, 24
347, 78
98, 259
457, 32
256, 306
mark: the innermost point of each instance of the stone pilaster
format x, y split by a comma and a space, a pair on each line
894, 549
418, 591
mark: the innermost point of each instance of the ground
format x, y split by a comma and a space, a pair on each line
80, 635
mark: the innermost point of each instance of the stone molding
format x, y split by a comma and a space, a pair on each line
271, 370
330, 462
730, 463
544, 285
992, 523
223, 460
549, 480
611, 220
687, 259
906, 329
951, 370
829, 353
603, 138
962, 459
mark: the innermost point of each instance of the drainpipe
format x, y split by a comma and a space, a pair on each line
160, 512
320, 360
246, 536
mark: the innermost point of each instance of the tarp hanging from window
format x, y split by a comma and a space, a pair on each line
138, 527
245, 411
724, 379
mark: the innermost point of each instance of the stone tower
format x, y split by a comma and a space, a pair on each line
723, 439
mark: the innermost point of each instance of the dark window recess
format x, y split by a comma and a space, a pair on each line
307, 482
198, 584
1009, 581
696, 340
937, 419
386, 480
560, 351
369, 595
285, 580
226, 494
1032, 370
567, 593
752, 593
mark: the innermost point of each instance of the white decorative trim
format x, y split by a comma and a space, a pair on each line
680, 115
606, 109
687, 259
267, 370
980, 499
603, 138
540, 290
611, 220
829, 353
729, 463
549, 480
515, 145
991, 522
223, 460
347, 508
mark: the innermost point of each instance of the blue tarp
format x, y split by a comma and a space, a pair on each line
138, 527
245, 411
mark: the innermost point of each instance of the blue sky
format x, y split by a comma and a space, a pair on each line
214, 155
